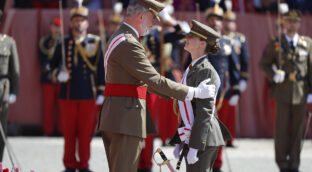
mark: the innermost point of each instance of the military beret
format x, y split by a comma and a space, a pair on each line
153, 6
205, 32
292, 15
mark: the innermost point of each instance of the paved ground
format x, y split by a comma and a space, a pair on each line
44, 154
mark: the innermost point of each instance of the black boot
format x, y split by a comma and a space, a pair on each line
284, 170
85, 170
217, 170
70, 170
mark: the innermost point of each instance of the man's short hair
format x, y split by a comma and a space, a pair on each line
134, 8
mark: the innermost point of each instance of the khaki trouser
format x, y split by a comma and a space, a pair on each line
122, 151
205, 161
4, 106
289, 126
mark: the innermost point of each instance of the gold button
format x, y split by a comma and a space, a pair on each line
137, 106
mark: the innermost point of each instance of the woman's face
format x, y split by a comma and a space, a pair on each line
193, 43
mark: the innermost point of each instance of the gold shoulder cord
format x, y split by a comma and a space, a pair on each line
47, 51
86, 55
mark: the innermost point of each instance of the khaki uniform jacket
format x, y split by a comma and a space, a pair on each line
128, 64
9, 68
296, 64
207, 129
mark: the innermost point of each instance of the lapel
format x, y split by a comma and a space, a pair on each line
193, 72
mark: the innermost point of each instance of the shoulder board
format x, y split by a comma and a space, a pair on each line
93, 37
241, 37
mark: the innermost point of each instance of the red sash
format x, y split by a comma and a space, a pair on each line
125, 90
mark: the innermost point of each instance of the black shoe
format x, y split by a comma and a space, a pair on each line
70, 170
145, 170
85, 170
230, 145
294, 170
284, 170
216, 170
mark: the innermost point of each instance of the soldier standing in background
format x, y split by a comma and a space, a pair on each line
227, 65
9, 80
241, 49
289, 67
82, 81
50, 87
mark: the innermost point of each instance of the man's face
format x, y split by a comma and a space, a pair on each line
291, 26
215, 22
79, 24
147, 22
229, 26
55, 30
193, 43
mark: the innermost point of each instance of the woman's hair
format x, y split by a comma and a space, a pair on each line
134, 8
213, 49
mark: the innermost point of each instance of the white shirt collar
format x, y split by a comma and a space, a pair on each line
135, 31
295, 39
193, 62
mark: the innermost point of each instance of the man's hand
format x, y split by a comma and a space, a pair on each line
242, 85
12, 98
63, 76
309, 98
192, 156
99, 100
279, 76
176, 151
234, 100
204, 91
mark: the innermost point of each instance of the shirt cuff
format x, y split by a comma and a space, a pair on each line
190, 94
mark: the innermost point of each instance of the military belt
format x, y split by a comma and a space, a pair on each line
4, 76
125, 90
294, 76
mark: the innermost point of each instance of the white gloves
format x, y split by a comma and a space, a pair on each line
204, 91
12, 98
192, 156
309, 98
63, 76
242, 85
279, 76
234, 100
176, 151
99, 100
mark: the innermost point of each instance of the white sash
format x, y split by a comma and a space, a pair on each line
113, 44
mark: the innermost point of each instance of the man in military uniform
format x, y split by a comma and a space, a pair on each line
241, 49
81, 74
288, 65
50, 87
124, 121
227, 65
9, 80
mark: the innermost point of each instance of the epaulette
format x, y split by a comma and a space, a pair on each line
94, 37
241, 36
304, 41
229, 39
3, 37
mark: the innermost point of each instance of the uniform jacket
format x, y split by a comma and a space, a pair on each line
241, 49
227, 64
84, 62
298, 60
9, 68
47, 47
128, 64
207, 129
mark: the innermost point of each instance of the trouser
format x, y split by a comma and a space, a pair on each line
205, 161
78, 125
145, 161
288, 133
50, 93
226, 114
4, 107
122, 151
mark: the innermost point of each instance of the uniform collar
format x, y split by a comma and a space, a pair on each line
294, 39
194, 62
135, 31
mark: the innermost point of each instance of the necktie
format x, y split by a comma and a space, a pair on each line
292, 46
